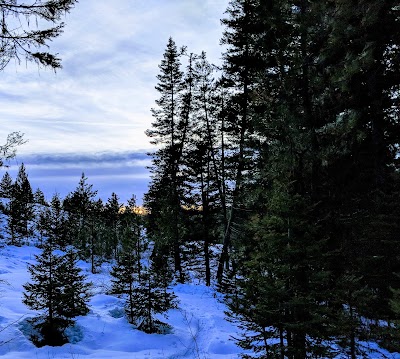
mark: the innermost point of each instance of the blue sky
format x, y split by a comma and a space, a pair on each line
91, 115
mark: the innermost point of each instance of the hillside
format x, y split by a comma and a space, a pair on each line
199, 327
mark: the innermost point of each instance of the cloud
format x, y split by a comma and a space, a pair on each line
110, 52
100, 101
124, 173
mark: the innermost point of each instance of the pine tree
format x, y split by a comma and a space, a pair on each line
78, 205
241, 64
39, 198
112, 218
21, 208
22, 42
126, 273
319, 226
132, 230
284, 273
6, 185
204, 187
96, 234
40, 210
150, 297
57, 289
168, 131
55, 223
76, 291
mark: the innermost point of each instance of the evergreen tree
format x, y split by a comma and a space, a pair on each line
127, 272
76, 291
21, 208
205, 194
97, 237
39, 198
322, 111
57, 289
150, 297
132, 230
112, 218
6, 186
20, 41
6, 189
40, 210
168, 131
55, 223
79, 205
241, 64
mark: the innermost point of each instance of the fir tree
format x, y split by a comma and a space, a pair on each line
76, 291
112, 218
39, 198
57, 289
78, 205
168, 131
21, 41
132, 230
322, 111
40, 215
241, 64
6, 186
150, 297
125, 274
21, 208
55, 223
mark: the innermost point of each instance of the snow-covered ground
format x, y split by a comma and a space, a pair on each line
199, 331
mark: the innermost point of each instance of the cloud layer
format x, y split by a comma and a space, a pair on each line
101, 99
124, 173
91, 115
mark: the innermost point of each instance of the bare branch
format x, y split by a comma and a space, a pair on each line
9, 149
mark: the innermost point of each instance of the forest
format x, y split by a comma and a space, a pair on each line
274, 177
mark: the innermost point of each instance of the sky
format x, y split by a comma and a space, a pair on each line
91, 115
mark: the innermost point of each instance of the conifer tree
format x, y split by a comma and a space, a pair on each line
96, 234
149, 298
40, 215
6, 186
241, 64
322, 111
22, 42
132, 230
55, 223
21, 208
204, 187
283, 274
39, 198
169, 132
79, 205
126, 273
76, 291
112, 218
58, 291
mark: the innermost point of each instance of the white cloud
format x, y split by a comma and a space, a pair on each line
101, 99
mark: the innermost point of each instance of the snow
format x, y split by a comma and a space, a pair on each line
199, 328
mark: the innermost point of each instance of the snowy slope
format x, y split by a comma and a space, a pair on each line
199, 328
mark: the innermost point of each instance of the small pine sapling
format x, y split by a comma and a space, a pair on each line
149, 299
57, 290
